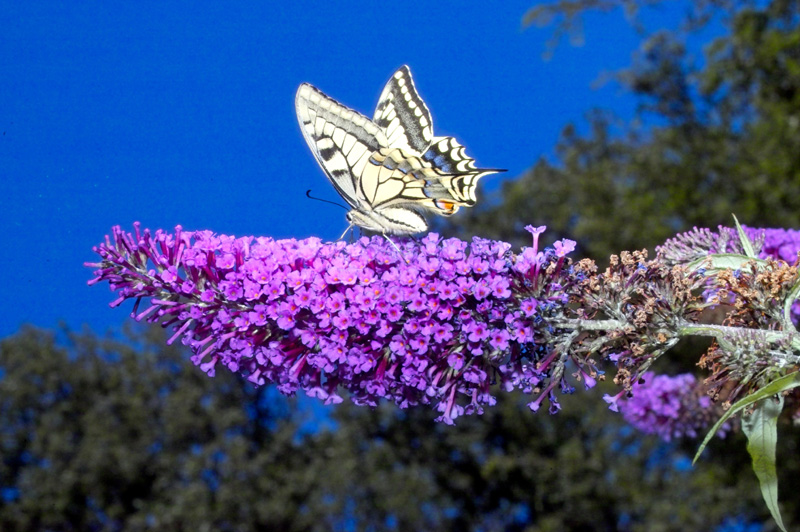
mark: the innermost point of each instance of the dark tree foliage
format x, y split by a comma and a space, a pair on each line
711, 138
108, 435
514, 470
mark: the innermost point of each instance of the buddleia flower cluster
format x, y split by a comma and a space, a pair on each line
782, 244
699, 243
671, 407
435, 321
631, 314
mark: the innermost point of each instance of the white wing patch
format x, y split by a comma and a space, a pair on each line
390, 167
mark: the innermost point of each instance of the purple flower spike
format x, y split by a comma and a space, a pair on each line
670, 407
436, 323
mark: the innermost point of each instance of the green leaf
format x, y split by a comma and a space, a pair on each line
787, 382
747, 245
723, 261
761, 429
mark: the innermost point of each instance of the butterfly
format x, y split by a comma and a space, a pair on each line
389, 168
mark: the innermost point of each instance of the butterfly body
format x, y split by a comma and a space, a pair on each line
390, 168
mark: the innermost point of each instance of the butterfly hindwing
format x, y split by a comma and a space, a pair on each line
428, 189
460, 175
392, 220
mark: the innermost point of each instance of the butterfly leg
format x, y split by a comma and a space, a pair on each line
349, 227
395, 247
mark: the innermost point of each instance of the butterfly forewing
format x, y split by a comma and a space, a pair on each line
340, 139
343, 141
407, 123
402, 114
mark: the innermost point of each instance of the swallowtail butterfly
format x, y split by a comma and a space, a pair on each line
390, 168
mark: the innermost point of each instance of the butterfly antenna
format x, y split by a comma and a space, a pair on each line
309, 196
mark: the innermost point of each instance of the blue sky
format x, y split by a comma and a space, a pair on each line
183, 113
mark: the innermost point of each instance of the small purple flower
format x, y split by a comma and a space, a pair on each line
535, 231
499, 339
286, 321
447, 291
478, 265
445, 313
342, 320
187, 287
393, 293
411, 327
335, 302
500, 287
226, 261
481, 289
275, 289
231, 289
477, 331
394, 313
383, 329
309, 338
456, 360
419, 344
302, 298
418, 304
170, 275
528, 306
366, 276
398, 345
442, 332
564, 247
258, 316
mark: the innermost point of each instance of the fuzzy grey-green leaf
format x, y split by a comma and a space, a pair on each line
761, 429
747, 245
724, 261
787, 382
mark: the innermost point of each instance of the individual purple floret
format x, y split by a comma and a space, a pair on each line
434, 321
670, 407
